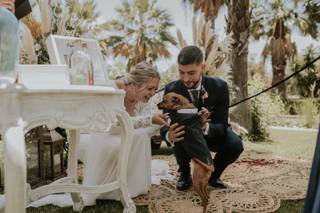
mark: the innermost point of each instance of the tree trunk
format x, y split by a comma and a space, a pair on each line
238, 25
278, 74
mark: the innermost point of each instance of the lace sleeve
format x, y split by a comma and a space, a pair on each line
144, 112
142, 121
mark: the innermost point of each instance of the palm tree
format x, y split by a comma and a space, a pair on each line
308, 82
209, 8
141, 32
271, 19
310, 19
281, 49
238, 26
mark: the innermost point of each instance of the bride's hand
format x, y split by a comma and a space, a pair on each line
160, 119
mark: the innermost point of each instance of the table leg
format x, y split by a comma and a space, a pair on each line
72, 171
15, 175
126, 142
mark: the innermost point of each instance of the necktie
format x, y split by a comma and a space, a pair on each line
195, 97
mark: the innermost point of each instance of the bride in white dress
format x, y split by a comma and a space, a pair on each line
99, 151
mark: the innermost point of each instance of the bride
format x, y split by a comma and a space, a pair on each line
99, 151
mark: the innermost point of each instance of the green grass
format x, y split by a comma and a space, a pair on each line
291, 206
299, 145
289, 144
105, 206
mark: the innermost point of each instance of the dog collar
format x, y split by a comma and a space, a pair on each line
188, 111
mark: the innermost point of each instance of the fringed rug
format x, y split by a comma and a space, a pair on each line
256, 183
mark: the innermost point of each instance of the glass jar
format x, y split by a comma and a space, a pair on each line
9, 46
81, 71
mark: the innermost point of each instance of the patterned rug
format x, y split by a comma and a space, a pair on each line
256, 183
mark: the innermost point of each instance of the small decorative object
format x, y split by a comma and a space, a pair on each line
81, 70
34, 163
60, 53
53, 156
33, 147
203, 93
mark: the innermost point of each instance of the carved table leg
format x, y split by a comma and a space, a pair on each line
126, 142
15, 170
72, 170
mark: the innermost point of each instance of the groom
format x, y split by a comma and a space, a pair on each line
207, 94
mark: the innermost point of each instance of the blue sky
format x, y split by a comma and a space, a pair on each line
182, 16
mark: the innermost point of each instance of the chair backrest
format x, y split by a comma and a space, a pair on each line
38, 75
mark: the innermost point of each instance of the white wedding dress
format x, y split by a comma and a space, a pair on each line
99, 153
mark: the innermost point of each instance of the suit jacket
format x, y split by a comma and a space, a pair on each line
217, 102
23, 8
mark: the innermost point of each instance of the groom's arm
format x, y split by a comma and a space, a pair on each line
219, 117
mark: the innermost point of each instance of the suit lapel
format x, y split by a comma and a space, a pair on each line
204, 101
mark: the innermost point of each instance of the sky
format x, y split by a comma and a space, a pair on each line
182, 18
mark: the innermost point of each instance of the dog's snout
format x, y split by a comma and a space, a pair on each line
160, 105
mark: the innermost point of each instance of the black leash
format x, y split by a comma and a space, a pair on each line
278, 83
269, 88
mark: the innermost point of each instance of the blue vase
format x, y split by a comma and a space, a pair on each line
9, 46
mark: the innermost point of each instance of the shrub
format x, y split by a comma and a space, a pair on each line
308, 82
265, 109
309, 112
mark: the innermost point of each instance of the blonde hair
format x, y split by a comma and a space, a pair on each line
141, 74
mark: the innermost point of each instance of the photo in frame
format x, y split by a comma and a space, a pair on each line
59, 52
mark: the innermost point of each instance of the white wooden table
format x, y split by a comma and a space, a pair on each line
72, 107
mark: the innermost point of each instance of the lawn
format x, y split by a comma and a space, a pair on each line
285, 143
288, 144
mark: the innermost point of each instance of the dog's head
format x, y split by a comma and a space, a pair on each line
174, 101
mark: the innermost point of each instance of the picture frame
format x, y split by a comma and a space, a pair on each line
59, 53
43, 75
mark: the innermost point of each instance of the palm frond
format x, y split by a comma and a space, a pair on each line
45, 11
61, 27
194, 30
27, 52
181, 41
34, 26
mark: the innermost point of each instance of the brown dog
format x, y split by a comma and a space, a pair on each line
194, 143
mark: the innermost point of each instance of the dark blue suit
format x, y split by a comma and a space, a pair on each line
220, 139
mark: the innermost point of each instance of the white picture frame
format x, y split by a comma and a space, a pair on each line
58, 53
37, 75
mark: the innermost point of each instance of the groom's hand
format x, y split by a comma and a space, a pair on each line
205, 114
175, 133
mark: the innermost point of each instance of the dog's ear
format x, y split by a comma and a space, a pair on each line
176, 100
